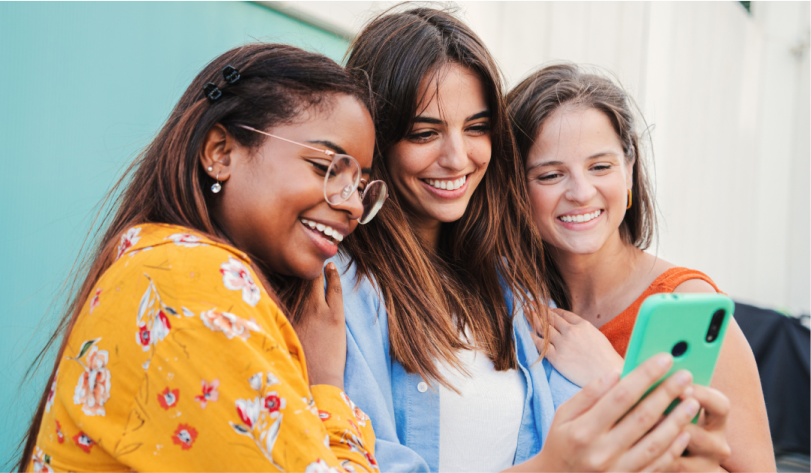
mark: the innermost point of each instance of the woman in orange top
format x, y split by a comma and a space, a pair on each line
177, 353
593, 205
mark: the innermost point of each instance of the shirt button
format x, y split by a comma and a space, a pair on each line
422, 387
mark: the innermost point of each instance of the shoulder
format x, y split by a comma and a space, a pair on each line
677, 279
364, 307
185, 273
694, 286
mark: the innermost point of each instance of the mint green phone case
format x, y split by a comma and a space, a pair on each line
666, 320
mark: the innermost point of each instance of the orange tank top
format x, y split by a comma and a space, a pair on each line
618, 330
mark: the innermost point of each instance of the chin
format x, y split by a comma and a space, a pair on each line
450, 215
307, 268
582, 249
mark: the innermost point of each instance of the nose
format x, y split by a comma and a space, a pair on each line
580, 190
352, 206
454, 153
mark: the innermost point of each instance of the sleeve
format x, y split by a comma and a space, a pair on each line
225, 388
368, 375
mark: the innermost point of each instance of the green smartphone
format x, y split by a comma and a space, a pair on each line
691, 327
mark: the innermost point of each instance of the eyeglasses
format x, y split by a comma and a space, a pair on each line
342, 179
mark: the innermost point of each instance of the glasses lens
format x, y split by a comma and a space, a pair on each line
373, 198
341, 180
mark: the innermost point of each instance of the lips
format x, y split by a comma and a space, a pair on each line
581, 218
453, 188
581, 221
326, 245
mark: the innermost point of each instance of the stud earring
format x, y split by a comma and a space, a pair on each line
209, 169
217, 187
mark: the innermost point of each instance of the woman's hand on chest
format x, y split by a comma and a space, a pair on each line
577, 349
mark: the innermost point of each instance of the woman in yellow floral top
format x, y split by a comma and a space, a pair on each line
177, 354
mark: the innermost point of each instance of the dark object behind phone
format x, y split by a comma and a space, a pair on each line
781, 348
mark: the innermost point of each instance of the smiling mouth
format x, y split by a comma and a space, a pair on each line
450, 185
331, 235
582, 218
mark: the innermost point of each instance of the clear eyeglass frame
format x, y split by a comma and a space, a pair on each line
342, 179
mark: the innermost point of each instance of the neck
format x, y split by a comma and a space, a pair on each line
427, 231
596, 277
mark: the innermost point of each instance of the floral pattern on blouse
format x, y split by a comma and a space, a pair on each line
187, 364
237, 277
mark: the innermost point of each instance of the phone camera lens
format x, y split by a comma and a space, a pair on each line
679, 349
715, 325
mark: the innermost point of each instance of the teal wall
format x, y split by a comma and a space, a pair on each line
83, 87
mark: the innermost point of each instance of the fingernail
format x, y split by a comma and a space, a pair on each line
691, 407
688, 392
684, 377
664, 360
331, 266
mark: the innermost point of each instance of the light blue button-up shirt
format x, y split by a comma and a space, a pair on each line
404, 408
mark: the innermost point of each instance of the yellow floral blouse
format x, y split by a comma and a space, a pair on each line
180, 361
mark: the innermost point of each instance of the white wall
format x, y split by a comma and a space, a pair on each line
728, 94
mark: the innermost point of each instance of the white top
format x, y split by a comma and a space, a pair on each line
478, 429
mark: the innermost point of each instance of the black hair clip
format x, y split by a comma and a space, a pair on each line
231, 74
211, 91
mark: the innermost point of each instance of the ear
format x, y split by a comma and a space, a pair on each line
629, 172
216, 153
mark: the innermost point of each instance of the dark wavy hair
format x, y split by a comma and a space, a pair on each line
166, 182
537, 97
432, 296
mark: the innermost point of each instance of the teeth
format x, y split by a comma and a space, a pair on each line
447, 185
326, 230
581, 218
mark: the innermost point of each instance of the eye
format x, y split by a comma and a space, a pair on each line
422, 136
549, 176
601, 167
479, 128
320, 167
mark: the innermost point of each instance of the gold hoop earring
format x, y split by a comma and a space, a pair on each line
629, 200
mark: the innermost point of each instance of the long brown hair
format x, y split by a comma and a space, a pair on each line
431, 296
165, 183
537, 97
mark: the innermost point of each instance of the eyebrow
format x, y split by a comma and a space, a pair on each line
329, 144
339, 150
437, 121
558, 163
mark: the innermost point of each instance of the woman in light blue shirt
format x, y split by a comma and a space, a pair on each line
440, 289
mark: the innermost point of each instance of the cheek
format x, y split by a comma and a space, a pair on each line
406, 162
543, 201
615, 193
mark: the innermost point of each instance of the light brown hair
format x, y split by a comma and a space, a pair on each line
537, 97
166, 182
432, 296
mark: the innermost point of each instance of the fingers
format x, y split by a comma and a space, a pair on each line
708, 444
334, 296
647, 413
557, 322
587, 397
569, 317
660, 441
709, 440
622, 397
668, 461
716, 406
